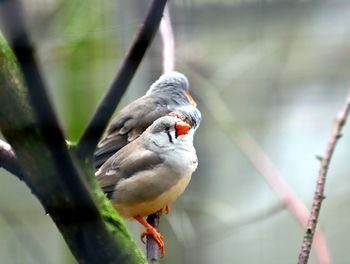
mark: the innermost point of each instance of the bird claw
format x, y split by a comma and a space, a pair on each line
167, 210
156, 236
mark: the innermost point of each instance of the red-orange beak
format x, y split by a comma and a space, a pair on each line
182, 128
192, 101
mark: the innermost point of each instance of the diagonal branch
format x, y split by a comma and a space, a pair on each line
80, 222
117, 88
8, 160
319, 193
47, 121
87, 221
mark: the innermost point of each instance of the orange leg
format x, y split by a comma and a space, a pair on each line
152, 232
167, 210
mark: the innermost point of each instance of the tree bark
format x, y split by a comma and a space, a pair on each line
91, 227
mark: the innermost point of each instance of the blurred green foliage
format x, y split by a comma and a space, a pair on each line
282, 69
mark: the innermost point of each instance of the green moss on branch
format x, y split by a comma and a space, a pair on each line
94, 231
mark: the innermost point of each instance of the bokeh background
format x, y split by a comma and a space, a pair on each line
275, 71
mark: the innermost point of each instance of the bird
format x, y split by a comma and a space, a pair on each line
149, 173
170, 93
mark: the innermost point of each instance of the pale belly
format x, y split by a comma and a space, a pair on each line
150, 207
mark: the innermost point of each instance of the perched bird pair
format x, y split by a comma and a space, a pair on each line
147, 157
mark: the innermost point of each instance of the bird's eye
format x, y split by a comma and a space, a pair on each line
167, 128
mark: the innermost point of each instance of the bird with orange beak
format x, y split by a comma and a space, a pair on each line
170, 93
149, 173
147, 157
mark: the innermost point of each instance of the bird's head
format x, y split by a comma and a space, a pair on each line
172, 84
188, 114
168, 131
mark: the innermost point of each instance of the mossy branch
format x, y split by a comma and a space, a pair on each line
89, 224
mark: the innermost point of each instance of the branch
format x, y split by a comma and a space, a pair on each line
152, 247
46, 119
168, 40
167, 36
320, 186
47, 122
8, 160
258, 158
66, 199
52, 174
117, 88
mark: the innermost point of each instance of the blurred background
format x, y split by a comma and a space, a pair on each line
269, 76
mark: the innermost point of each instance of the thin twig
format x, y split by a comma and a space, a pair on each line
259, 159
117, 88
8, 160
320, 186
167, 36
168, 40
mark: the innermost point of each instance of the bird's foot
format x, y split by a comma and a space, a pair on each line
151, 231
156, 236
167, 210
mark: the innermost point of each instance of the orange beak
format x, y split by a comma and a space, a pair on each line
192, 101
182, 128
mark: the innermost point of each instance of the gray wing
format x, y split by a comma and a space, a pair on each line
129, 125
124, 164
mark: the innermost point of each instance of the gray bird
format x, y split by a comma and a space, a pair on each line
170, 93
149, 173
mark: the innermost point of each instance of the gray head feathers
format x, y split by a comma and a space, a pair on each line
169, 80
192, 113
163, 123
